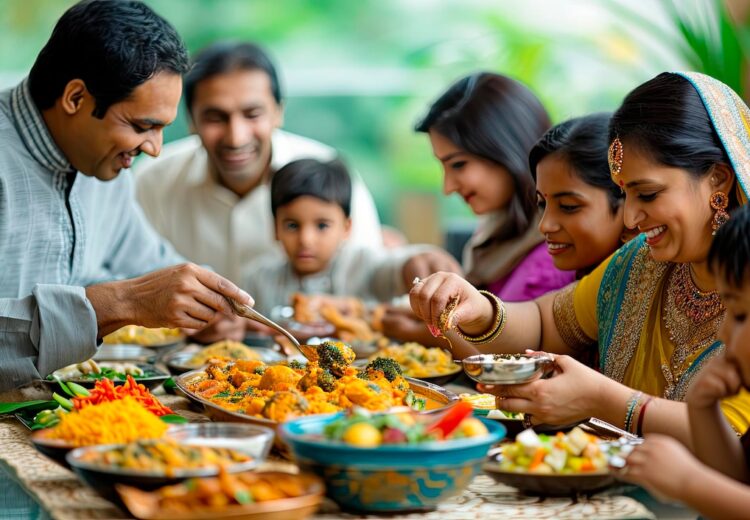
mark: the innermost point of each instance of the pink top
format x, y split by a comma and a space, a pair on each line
534, 276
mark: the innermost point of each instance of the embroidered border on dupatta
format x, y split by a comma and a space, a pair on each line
731, 120
625, 297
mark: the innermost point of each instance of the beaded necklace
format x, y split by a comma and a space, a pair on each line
692, 318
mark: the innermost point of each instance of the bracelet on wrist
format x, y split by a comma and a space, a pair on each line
641, 415
632, 404
498, 323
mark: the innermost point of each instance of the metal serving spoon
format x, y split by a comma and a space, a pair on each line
245, 311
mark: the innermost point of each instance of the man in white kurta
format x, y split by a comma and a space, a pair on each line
208, 194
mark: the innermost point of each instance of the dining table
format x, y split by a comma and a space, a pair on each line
36, 487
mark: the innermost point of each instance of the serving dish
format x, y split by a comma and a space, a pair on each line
507, 369
102, 477
549, 485
123, 352
389, 478
426, 363
150, 505
563, 464
178, 360
152, 378
436, 397
145, 337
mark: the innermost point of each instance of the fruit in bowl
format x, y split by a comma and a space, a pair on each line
392, 462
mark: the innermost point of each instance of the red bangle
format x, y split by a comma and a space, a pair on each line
639, 426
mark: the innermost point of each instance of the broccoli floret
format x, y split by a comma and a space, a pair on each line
389, 367
296, 364
333, 358
260, 369
326, 381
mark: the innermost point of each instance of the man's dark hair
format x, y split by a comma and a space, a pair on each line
499, 119
729, 256
582, 143
327, 181
226, 57
113, 46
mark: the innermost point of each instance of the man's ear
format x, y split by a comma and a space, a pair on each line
279, 116
73, 96
348, 227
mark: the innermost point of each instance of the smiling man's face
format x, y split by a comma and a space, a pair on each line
235, 115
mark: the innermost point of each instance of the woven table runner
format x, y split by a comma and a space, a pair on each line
64, 497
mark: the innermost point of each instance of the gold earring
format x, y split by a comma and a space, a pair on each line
719, 202
614, 158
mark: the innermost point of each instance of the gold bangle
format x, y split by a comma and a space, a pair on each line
497, 326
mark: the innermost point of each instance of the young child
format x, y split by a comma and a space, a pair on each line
310, 201
716, 479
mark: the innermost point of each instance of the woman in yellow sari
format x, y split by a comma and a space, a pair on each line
681, 152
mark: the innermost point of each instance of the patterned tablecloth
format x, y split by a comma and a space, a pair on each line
65, 497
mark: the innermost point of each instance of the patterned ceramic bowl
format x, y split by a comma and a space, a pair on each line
388, 478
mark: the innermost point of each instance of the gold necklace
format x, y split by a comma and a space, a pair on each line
692, 318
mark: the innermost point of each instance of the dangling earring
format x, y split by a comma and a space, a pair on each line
719, 202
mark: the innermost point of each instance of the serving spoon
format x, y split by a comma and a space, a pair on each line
245, 311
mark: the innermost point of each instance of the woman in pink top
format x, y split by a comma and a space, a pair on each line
481, 130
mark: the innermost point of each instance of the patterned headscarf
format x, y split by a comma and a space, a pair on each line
731, 120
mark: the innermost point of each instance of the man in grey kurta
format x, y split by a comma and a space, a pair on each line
69, 223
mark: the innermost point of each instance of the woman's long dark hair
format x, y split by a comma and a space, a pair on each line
581, 142
666, 119
498, 119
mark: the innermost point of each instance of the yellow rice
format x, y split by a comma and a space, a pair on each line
114, 422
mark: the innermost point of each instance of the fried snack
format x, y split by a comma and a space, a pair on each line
357, 327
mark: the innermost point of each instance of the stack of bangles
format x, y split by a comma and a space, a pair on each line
636, 411
498, 323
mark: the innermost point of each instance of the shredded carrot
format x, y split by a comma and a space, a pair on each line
105, 390
116, 422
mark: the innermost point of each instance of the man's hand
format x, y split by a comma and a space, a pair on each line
185, 296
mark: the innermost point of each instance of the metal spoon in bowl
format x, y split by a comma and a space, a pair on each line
245, 311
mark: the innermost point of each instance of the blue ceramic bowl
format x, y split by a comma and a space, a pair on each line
388, 478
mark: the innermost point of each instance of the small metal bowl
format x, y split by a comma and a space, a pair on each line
507, 369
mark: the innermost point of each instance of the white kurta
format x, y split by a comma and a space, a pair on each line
211, 225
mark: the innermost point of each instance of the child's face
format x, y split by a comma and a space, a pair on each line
735, 329
578, 223
311, 231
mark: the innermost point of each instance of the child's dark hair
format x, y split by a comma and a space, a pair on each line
328, 181
581, 142
729, 256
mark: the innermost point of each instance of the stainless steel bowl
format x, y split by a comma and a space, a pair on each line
506, 369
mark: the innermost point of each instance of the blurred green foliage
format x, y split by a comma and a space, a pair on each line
358, 74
